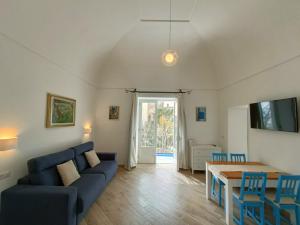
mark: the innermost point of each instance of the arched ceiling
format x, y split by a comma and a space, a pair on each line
245, 37
136, 60
71, 33
224, 42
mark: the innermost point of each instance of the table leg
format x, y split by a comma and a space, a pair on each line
208, 183
228, 203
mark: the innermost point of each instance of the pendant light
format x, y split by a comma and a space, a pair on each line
169, 57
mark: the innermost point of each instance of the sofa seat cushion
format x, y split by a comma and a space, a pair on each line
89, 187
108, 168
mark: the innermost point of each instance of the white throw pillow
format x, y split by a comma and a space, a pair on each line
92, 158
68, 172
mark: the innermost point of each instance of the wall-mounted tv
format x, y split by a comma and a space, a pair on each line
279, 115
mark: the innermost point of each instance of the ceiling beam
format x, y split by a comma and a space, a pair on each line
164, 21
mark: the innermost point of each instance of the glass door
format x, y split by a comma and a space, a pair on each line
147, 131
166, 143
157, 134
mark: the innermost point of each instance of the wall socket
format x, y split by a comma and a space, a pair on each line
4, 175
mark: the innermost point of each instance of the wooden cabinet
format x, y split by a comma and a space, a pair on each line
200, 154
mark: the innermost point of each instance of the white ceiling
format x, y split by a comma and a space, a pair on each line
136, 60
160, 9
245, 37
84, 36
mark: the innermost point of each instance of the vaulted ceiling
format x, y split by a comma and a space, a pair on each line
224, 41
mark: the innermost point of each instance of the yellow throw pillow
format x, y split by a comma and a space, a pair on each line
68, 172
92, 158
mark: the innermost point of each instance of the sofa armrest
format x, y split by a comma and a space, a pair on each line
105, 156
36, 205
24, 180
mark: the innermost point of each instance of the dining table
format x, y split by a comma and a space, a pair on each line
230, 173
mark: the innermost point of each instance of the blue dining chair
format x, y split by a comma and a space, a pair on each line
218, 157
237, 157
298, 207
285, 197
250, 195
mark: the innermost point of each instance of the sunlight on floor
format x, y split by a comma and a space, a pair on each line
165, 160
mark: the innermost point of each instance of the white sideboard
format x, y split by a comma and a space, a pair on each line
200, 154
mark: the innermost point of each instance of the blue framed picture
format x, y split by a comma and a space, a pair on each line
201, 114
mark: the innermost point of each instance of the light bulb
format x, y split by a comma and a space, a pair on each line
169, 57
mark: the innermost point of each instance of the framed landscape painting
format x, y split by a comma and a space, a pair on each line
60, 111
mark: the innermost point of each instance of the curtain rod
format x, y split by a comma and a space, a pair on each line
180, 91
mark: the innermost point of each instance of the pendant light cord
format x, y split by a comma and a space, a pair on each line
170, 30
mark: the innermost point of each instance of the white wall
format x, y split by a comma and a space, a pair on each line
204, 132
25, 79
113, 135
135, 62
237, 135
255, 50
278, 149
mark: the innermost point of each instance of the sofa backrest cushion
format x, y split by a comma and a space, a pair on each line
80, 158
43, 171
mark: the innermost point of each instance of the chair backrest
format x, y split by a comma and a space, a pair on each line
253, 183
298, 196
237, 157
288, 187
219, 157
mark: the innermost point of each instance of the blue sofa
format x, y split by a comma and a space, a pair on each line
41, 199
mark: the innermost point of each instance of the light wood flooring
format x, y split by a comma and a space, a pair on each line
155, 195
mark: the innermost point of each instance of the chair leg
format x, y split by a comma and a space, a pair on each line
250, 211
220, 195
277, 216
213, 186
262, 215
242, 215
297, 213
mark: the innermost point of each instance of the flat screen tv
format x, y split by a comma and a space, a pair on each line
279, 115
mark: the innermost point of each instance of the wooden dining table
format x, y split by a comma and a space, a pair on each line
230, 174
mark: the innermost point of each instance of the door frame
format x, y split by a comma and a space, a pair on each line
245, 110
156, 99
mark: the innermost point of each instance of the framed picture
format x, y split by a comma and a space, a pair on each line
114, 112
201, 114
60, 111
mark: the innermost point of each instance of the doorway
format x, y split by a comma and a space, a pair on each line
238, 130
157, 130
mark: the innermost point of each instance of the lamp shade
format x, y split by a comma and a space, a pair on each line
87, 130
169, 57
8, 144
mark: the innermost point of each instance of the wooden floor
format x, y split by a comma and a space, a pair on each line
155, 195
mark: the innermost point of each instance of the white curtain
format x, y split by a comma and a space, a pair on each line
133, 152
182, 149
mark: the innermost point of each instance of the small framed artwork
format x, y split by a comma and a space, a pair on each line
201, 114
60, 111
114, 112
